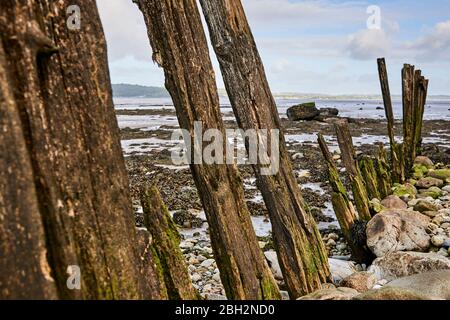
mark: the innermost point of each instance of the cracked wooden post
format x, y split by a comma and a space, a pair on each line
77, 185
179, 46
351, 165
25, 273
299, 246
408, 78
384, 177
421, 89
343, 207
414, 90
370, 177
398, 168
166, 242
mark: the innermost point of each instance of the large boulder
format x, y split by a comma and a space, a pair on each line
424, 161
394, 202
405, 191
401, 264
443, 174
341, 293
397, 230
327, 114
392, 293
434, 284
340, 269
424, 205
360, 281
428, 182
304, 111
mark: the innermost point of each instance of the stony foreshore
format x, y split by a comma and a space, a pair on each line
151, 163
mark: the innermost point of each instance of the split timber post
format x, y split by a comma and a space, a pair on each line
179, 46
65, 204
165, 244
351, 165
414, 88
383, 173
299, 246
369, 174
343, 207
397, 165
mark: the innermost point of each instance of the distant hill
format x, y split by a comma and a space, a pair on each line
132, 90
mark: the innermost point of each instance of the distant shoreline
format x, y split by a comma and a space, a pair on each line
123, 90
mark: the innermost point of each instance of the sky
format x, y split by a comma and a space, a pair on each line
319, 46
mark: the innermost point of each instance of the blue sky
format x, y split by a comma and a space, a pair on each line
320, 46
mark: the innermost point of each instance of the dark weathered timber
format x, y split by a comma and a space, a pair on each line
343, 207
384, 176
166, 244
62, 91
408, 92
398, 171
351, 165
301, 253
25, 273
150, 263
369, 176
421, 97
179, 46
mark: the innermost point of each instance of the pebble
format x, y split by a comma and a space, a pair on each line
216, 277
331, 243
186, 245
207, 263
446, 243
443, 252
437, 240
196, 277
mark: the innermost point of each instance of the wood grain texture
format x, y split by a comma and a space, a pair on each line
61, 87
180, 48
301, 253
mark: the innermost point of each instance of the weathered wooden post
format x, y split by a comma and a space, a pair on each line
414, 89
420, 101
165, 243
179, 46
343, 207
397, 165
370, 178
408, 80
384, 177
22, 237
351, 165
301, 253
73, 187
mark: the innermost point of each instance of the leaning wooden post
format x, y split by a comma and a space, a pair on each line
60, 84
179, 46
370, 177
383, 173
343, 207
300, 249
398, 171
166, 242
349, 159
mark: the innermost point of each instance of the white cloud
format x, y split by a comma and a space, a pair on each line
435, 44
306, 13
369, 44
125, 30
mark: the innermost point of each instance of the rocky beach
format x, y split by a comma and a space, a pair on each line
424, 207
